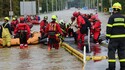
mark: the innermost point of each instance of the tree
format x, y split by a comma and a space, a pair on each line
5, 6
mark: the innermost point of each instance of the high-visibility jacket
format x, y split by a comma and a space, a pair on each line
8, 26
116, 26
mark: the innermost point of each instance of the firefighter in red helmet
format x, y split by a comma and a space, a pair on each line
23, 31
83, 25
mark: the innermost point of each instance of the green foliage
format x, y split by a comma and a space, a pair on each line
5, 6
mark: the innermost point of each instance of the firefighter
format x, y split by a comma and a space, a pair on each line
13, 24
115, 33
80, 38
6, 33
16, 19
53, 29
63, 26
43, 25
23, 30
83, 24
96, 28
28, 18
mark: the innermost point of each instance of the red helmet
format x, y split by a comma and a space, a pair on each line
22, 19
93, 17
72, 18
76, 14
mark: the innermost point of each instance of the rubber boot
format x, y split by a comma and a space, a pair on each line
25, 45
21, 46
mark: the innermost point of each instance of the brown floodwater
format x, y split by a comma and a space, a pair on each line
36, 57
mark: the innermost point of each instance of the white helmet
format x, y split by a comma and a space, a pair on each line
61, 21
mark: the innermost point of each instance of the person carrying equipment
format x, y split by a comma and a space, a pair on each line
115, 33
23, 30
83, 25
6, 33
52, 30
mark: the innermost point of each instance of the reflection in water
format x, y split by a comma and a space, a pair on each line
24, 54
55, 59
24, 66
24, 57
36, 58
6, 57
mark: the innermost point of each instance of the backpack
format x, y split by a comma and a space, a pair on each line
5, 31
84, 27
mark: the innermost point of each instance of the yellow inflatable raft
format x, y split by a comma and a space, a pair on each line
32, 40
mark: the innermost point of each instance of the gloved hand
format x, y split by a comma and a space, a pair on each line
107, 40
12, 36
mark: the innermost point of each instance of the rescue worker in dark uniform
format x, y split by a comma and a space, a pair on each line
24, 33
52, 30
116, 33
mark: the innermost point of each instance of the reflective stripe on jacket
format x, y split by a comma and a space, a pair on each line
116, 26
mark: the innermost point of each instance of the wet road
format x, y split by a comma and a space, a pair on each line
94, 65
37, 58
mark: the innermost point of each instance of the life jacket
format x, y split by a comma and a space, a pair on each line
52, 27
14, 22
45, 24
22, 28
5, 31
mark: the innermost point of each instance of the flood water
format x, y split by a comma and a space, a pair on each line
36, 57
